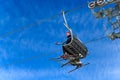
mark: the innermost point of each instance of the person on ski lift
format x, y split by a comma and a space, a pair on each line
66, 55
68, 34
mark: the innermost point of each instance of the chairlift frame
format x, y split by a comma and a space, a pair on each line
75, 46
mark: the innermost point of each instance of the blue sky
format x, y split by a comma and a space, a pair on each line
29, 50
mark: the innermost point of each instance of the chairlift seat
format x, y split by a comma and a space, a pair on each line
76, 47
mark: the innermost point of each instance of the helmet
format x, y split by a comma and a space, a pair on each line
68, 34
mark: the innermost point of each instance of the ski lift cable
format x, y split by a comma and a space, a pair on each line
96, 39
28, 59
41, 21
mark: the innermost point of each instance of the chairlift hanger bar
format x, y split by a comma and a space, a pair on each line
66, 24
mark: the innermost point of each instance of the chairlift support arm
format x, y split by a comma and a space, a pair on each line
66, 25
